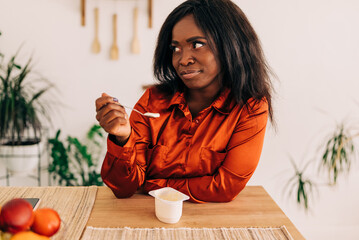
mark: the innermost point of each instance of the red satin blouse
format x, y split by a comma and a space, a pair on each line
210, 157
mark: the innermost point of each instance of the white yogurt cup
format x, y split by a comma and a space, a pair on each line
168, 204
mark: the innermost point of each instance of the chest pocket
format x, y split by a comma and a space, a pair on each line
210, 160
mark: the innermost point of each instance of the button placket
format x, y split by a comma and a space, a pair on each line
188, 140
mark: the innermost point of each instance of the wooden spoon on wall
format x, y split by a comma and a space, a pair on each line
83, 12
114, 47
149, 6
96, 47
135, 45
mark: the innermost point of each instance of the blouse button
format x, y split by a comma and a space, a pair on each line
197, 121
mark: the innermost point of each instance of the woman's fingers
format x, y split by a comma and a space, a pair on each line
116, 123
119, 116
106, 103
104, 100
110, 107
116, 128
111, 116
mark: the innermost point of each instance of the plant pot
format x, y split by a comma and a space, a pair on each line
21, 159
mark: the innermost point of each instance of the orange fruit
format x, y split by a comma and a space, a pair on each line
28, 235
46, 222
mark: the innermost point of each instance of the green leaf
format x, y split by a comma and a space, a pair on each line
20, 103
77, 167
303, 187
338, 154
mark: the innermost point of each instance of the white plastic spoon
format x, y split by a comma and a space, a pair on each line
147, 114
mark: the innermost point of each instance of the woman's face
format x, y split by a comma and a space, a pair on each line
193, 59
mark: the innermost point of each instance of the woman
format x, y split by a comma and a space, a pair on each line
214, 98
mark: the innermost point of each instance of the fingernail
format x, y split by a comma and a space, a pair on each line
115, 99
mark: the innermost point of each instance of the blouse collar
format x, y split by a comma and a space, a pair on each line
223, 103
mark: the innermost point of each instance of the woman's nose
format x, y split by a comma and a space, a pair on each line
186, 58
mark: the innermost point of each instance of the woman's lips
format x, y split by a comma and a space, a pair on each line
189, 73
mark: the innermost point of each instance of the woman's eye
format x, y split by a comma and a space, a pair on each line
174, 48
198, 44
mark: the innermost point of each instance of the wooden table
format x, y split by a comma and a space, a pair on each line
252, 208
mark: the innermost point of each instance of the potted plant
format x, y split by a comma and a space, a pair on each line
339, 152
75, 162
23, 113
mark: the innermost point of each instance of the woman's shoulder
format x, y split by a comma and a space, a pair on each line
155, 93
255, 106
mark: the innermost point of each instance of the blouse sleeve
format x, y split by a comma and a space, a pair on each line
243, 153
124, 167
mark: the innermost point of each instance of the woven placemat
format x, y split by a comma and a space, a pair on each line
74, 205
280, 233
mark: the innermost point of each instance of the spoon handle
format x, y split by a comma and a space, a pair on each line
83, 12
133, 109
114, 19
96, 22
147, 114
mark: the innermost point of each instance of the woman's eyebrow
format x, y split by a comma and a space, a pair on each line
191, 39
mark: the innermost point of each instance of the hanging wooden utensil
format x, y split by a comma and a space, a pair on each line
114, 48
96, 47
149, 5
83, 12
135, 45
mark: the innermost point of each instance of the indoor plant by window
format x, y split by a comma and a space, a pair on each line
23, 113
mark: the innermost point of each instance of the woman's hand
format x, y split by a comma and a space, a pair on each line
113, 118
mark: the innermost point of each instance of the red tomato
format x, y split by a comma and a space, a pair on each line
46, 222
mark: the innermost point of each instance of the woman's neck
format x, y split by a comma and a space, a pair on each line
198, 100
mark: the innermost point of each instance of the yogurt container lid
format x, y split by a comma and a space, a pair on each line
169, 195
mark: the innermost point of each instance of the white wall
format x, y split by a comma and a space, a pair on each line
312, 46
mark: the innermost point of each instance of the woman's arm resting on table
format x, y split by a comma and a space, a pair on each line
243, 153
